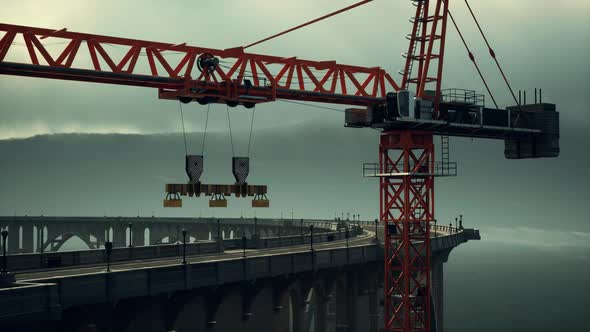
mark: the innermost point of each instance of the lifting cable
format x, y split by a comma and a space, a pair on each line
183, 131
309, 22
231, 140
205, 131
492, 53
251, 127
249, 136
472, 58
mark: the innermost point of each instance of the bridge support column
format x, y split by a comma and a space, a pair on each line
438, 288
346, 305
119, 236
137, 236
28, 238
321, 313
13, 239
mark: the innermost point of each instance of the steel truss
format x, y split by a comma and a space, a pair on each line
183, 71
407, 209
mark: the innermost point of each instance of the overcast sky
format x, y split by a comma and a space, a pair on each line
541, 43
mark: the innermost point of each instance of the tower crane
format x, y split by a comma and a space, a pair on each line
408, 113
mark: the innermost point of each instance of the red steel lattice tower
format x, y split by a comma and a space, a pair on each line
406, 160
427, 44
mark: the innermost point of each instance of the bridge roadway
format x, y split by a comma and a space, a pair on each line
335, 287
33, 275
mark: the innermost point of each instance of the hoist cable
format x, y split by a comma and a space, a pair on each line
205, 132
251, 128
230, 134
472, 58
309, 22
183, 131
492, 53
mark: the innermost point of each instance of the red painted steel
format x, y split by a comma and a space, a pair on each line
427, 44
407, 210
269, 77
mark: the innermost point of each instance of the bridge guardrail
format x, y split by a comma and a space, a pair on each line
30, 261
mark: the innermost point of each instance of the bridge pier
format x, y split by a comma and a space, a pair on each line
28, 238
13, 240
346, 303
145, 315
438, 288
119, 236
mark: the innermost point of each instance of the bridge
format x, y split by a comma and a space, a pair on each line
286, 275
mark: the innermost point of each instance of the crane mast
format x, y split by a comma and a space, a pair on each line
408, 115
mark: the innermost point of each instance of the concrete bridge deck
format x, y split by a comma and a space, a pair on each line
220, 291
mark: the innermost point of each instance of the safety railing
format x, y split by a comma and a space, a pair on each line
437, 169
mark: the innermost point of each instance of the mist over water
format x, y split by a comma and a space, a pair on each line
511, 287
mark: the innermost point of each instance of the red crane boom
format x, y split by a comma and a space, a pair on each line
246, 78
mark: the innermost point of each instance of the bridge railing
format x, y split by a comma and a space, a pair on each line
433, 227
32, 261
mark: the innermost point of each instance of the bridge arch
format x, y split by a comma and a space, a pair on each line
57, 242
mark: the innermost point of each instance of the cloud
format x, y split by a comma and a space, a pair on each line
42, 128
540, 238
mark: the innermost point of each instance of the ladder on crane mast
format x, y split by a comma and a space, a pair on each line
415, 37
444, 155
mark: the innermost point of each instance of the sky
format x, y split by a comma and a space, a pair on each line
545, 48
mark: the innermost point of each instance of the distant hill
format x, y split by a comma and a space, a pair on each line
311, 170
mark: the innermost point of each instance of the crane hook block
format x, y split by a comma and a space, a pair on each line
240, 168
194, 168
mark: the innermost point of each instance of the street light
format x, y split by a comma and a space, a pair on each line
108, 247
42, 242
255, 228
4, 261
219, 240
461, 221
347, 234
183, 246
376, 236
301, 227
311, 237
435, 234
130, 235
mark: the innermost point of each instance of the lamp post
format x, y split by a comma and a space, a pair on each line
461, 221
130, 225
42, 242
347, 234
108, 247
435, 234
301, 226
219, 240
311, 237
456, 223
4, 261
376, 236
255, 227
183, 246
